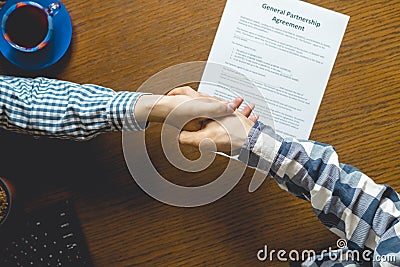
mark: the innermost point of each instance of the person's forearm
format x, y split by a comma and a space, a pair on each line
345, 200
152, 108
63, 109
186, 110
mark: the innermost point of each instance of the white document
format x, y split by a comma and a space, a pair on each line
286, 49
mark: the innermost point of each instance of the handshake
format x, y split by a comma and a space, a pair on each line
204, 120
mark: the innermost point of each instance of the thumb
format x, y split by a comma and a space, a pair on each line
231, 106
213, 108
191, 138
199, 140
185, 90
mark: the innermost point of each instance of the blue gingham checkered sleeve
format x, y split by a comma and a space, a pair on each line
63, 109
345, 200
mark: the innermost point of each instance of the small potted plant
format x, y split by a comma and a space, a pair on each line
6, 196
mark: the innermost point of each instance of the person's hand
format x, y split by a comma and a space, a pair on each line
228, 133
197, 123
187, 106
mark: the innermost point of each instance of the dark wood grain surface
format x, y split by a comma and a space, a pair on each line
120, 45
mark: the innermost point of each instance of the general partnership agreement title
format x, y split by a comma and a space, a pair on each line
291, 16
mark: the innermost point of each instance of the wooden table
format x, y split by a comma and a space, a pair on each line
120, 45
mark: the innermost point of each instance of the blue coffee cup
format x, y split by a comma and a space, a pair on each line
34, 34
27, 26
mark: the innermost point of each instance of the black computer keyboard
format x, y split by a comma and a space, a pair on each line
50, 237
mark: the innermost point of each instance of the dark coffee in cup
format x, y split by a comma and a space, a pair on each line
27, 26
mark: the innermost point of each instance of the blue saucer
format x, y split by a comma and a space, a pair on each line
54, 50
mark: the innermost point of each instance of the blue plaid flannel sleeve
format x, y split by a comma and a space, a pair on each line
63, 109
345, 200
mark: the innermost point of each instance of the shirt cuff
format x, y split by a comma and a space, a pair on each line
261, 147
121, 112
